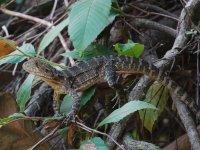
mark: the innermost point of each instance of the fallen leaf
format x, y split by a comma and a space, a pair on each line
5, 46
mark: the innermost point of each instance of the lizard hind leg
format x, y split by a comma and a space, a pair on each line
70, 116
112, 80
56, 104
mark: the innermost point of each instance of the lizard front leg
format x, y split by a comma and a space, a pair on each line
111, 78
56, 104
75, 107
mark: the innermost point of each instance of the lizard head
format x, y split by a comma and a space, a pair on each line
40, 68
47, 73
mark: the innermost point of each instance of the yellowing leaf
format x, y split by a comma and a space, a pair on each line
158, 96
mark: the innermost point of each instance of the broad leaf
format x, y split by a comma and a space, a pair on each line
24, 92
125, 110
52, 34
87, 95
158, 96
17, 56
17, 115
19, 1
130, 49
95, 143
66, 105
86, 20
91, 51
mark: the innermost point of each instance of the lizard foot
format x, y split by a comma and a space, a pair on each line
57, 114
69, 118
120, 98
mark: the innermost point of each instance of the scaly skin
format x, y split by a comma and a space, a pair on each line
98, 69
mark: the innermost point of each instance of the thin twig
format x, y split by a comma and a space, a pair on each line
24, 16
46, 138
41, 21
53, 10
139, 22
198, 76
155, 13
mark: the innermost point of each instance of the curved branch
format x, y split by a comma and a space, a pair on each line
188, 123
139, 22
155, 8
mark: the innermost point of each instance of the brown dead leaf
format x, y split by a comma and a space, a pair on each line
8, 106
17, 135
70, 136
5, 48
51, 125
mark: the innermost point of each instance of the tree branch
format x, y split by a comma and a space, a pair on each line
139, 22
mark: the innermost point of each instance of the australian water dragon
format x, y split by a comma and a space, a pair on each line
88, 73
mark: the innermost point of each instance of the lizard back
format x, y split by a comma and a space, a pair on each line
88, 73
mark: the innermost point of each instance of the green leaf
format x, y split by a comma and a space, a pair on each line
4, 121
113, 13
158, 96
17, 115
86, 20
63, 132
24, 92
66, 105
19, 1
94, 143
87, 95
135, 134
52, 34
14, 57
4, 1
91, 51
130, 49
125, 110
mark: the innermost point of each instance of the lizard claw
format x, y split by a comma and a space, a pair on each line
119, 97
57, 114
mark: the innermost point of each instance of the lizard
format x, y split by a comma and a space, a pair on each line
103, 68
